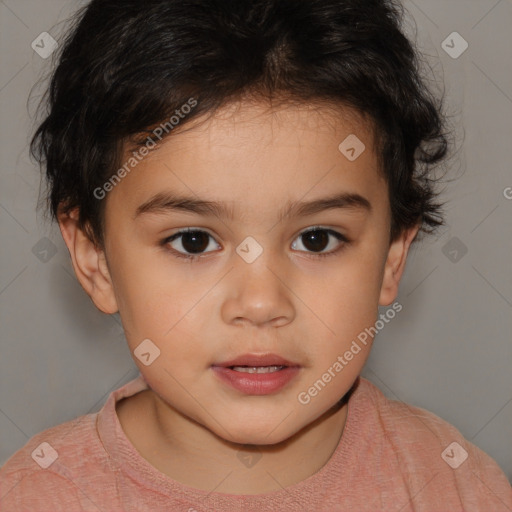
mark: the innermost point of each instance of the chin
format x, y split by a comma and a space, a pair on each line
262, 435
257, 439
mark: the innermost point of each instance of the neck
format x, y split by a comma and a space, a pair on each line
193, 455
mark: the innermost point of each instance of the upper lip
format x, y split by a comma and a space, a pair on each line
257, 360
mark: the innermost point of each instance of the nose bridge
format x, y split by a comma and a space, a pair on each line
256, 254
258, 269
259, 294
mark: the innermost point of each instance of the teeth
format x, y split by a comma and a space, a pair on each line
257, 369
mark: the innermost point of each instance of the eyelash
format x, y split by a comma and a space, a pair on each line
193, 257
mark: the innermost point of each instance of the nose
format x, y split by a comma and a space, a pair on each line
258, 293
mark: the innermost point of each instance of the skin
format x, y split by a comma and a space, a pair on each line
190, 425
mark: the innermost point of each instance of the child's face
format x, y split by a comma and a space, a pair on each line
288, 301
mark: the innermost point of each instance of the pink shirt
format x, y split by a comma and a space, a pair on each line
391, 457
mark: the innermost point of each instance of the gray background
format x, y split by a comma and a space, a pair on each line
448, 351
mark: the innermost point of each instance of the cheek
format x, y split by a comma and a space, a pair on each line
346, 298
170, 314
143, 296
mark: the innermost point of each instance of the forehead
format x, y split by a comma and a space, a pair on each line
251, 155
266, 127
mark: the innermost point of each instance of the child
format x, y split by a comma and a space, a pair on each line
260, 128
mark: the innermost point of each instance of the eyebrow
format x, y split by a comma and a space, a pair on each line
168, 202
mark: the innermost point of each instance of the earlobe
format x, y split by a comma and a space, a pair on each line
395, 265
89, 263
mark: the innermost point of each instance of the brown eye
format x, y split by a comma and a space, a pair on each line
192, 241
316, 240
195, 241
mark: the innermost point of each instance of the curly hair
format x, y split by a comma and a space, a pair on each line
125, 66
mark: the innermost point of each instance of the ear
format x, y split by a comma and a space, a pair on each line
395, 265
89, 263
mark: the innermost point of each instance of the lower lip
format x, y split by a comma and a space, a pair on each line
256, 383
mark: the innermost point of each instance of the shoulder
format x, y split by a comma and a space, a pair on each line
52, 463
423, 444
407, 423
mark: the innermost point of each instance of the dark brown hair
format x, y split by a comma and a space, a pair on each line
128, 65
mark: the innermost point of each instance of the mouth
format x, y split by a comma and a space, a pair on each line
256, 369
254, 374
257, 361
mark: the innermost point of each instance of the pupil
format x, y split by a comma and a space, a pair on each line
194, 241
319, 238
